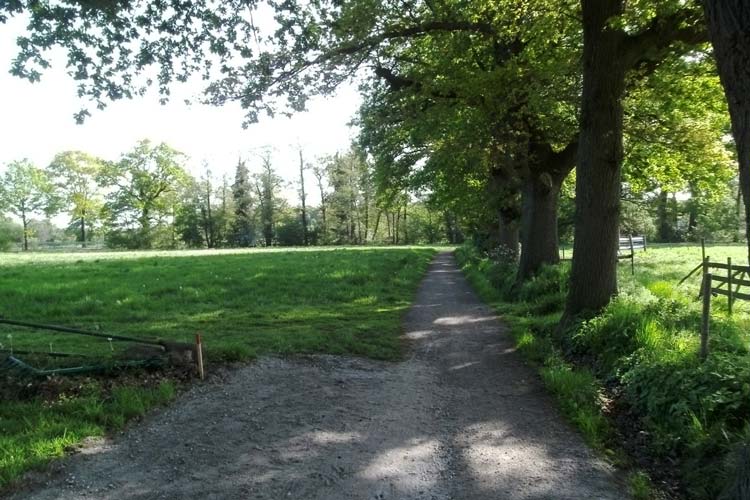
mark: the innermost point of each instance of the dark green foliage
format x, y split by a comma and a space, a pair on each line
289, 231
10, 233
243, 227
546, 291
144, 189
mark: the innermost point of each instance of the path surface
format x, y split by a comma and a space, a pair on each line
462, 418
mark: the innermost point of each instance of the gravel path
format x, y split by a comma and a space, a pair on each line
462, 418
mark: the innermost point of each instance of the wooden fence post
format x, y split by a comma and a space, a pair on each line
730, 294
706, 268
706, 315
199, 355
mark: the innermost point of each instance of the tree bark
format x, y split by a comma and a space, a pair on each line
539, 244
594, 272
540, 195
729, 30
738, 211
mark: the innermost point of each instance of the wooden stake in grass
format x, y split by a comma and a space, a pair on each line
632, 255
706, 315
199, 355
730, 294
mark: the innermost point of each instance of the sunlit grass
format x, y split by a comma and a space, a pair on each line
341, 301
244, 303
32, 432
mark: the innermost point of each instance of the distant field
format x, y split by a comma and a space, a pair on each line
246, 303
670, 263
344, 301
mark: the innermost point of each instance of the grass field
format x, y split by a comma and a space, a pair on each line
344, 301
340, 301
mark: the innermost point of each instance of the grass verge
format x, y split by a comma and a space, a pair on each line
630, 378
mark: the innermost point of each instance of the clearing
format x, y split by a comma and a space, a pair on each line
462, 418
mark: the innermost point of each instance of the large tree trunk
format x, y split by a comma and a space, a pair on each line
83, 232
540, 196
738, 211
594, 272
729, 29
539, 245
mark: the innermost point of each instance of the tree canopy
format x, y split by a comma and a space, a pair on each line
487, 105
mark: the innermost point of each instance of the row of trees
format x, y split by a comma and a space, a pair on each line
489, 104
148, 199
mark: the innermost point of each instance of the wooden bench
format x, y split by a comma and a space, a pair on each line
627, 247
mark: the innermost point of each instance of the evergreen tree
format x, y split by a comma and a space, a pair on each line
267, 184
243, 226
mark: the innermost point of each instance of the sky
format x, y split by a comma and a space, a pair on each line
36, 122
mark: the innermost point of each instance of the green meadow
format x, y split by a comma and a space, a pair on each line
244, 303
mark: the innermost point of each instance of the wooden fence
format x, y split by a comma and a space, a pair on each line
719, 279
627, 247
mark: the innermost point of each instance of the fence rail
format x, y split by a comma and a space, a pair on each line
726, 283
626, 249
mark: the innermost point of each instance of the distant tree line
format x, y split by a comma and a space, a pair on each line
148, 200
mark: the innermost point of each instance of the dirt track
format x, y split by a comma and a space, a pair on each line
462, 418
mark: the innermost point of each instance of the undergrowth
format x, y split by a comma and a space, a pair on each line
643, 349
